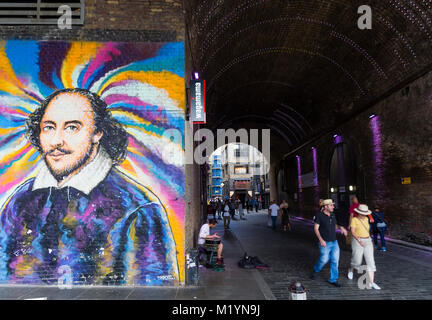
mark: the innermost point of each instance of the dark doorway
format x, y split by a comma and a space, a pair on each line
343, 184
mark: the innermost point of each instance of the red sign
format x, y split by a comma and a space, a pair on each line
245, 184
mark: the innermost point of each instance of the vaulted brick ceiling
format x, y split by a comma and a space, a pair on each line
303, 63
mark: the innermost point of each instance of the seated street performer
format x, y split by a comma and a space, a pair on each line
204, 235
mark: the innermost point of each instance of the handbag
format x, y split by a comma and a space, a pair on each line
348, 238
269, 222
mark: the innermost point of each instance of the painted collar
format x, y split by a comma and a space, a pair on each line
85, 180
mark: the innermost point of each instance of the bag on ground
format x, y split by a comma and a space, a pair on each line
246, 263
259, 264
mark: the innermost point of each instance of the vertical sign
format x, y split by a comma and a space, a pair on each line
197, 101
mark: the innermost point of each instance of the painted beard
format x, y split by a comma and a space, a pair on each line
62, 173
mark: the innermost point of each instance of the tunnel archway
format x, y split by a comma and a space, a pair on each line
244, 171
305, 70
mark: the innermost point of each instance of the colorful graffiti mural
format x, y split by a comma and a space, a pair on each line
84, 185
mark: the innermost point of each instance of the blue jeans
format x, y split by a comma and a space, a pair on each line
381, 232
330, 252
274, 219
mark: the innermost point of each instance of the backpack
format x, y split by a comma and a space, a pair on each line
258, 263
246, 262
380, 223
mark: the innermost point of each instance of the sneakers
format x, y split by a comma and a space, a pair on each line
375, 286
220, 263
350, 275
336, 284
383, 249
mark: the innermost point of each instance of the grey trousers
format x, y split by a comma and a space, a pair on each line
358, 252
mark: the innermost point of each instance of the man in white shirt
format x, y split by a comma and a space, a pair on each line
204, 235
273, 212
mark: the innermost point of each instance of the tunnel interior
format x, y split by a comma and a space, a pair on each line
325, 82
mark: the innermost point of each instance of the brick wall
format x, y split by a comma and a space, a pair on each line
395, 144
113, 20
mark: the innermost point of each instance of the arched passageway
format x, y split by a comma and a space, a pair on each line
309, 73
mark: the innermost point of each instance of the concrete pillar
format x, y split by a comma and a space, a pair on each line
192, 192
272, 177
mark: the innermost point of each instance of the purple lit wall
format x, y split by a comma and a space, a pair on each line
300, 191
299, 173
337, 139
316, 183
315, 166
378, 164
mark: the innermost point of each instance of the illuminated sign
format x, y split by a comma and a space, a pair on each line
240, 170
197, 101
406, 180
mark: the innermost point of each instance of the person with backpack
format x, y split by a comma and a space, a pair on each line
379, 227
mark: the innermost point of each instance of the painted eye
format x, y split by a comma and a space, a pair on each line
71, 128
48, 128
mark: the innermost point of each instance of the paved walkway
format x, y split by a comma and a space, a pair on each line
403, 272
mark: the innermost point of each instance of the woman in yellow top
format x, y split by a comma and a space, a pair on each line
362, 244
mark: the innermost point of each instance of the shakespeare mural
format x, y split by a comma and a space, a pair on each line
86, 190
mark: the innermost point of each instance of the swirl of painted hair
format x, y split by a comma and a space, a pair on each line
114, 139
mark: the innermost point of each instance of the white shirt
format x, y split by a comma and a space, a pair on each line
274, 209
226, 211
204, 232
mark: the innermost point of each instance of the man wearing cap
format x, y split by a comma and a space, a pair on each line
325, 230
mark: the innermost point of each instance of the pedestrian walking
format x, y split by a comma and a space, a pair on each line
273, 212
240, 210
231, 205
379, 227
325, 229
236, 205
285, 215
220, 209
352, 213
227, 215
362, 245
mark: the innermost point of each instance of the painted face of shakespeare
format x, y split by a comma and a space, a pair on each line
68, 139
